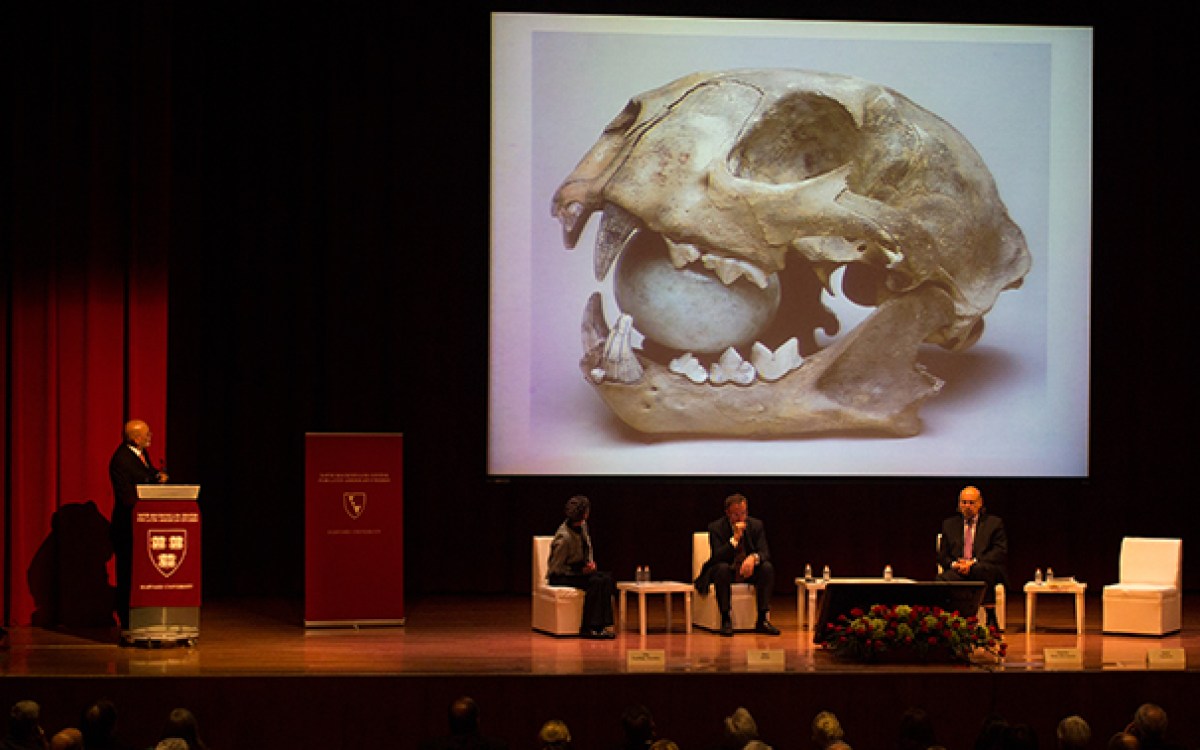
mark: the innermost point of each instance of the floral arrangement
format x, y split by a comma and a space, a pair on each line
919, 631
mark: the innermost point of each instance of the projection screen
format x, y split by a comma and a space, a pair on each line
1013, 403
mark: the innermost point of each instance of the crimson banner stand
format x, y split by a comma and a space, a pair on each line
354, 530
164, 597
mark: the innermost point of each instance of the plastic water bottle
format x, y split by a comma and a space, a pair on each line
887, 573
1037, 576
647, 574
640, 575
808, 573
825, 574
1049, 574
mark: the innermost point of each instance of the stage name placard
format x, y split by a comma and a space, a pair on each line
766, 660
1166, 658
1063, 658
646, 660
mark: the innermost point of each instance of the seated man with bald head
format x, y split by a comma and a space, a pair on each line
974, 547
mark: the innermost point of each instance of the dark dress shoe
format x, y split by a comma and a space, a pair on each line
766, 628
726, 627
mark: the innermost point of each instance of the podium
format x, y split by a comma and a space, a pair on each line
164, 597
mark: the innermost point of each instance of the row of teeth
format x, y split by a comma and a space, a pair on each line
618, 227
617, 362
731, 368
728, 270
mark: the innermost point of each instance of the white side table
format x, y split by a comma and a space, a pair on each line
1055, 586
817, 585
666, 588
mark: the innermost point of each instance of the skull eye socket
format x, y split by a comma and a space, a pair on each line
801, 136
623, 121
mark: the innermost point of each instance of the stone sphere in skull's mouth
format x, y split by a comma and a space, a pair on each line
689, 309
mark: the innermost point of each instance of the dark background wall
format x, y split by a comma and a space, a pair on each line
329, 264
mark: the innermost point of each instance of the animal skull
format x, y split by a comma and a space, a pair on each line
729, 200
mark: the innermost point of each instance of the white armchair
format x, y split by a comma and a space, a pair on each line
1148, 599
743, 605
557, 610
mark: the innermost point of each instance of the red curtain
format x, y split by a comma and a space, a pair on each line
84, 319
87, 351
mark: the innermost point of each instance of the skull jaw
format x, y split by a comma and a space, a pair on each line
867, 381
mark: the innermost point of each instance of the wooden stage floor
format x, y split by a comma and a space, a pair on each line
491, 635
255, 658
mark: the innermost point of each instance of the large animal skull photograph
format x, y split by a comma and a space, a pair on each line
772, 247
727, 203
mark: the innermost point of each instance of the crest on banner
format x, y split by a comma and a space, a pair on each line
354, 503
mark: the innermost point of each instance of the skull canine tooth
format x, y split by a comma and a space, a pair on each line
593, 329
731, 368
617, 228
772, 366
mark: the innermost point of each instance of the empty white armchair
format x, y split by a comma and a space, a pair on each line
1148, 599
743, 606
557, 610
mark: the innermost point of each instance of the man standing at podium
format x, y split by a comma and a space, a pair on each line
130, 466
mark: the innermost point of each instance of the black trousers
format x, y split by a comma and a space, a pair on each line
990, 577
598, 599
123, 551
723, 575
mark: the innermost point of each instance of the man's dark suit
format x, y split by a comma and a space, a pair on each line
990, 552
126, 471
719, 569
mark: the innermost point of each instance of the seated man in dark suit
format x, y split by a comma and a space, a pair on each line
974, 547
739, 553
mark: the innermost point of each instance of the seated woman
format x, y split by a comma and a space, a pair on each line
572, 563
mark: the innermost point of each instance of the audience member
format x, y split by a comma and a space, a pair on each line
99, 727
826, 730
67, 739
1123, 741
1073, 733
554, 735
740, 728
756, 745
1149, 725
1020, 737
916, 730
991, 734
637, 728
182, 724
172, 743
664, 745
463, 719
24, 728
